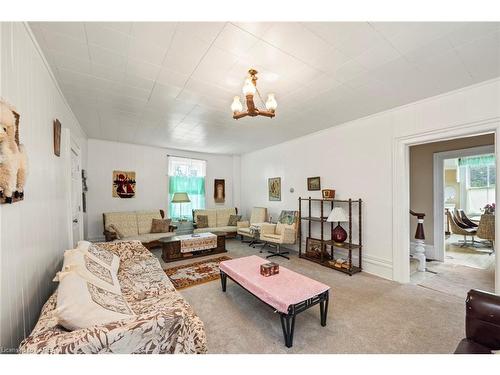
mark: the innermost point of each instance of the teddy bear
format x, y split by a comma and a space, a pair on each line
13, 159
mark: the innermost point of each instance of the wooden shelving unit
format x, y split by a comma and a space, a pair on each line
354, 209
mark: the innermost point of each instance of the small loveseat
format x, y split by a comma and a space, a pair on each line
134, 226
218, 220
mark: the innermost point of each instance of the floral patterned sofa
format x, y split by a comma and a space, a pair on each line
163, 323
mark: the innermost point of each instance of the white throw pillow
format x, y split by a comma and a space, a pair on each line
82, 304
89, 269
106, 257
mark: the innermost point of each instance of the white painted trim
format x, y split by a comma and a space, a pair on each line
497, 222
438, 187
378, 266
75, 146
66, 155
401, 193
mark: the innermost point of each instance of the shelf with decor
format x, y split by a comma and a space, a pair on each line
326, 249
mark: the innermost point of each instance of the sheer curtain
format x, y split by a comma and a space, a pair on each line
187, 176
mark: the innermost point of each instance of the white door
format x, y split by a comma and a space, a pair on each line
76, 194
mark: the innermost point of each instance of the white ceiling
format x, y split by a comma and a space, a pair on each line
171, 84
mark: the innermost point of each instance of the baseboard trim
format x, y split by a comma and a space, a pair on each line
378, 266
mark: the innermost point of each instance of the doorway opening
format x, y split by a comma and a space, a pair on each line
453, 183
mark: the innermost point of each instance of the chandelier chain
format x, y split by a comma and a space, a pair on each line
260, 97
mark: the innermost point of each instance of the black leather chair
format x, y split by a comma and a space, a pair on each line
482, 323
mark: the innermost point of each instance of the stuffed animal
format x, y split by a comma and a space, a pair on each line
13, 159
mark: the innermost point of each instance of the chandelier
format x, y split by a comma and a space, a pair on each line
249, 90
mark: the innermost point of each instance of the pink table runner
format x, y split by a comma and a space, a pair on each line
280, 291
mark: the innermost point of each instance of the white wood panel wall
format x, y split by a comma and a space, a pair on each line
33, 233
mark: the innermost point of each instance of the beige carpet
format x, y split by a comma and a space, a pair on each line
366, 314
457, 280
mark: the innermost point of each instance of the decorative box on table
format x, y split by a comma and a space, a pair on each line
269, 269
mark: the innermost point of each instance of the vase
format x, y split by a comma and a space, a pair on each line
339, 235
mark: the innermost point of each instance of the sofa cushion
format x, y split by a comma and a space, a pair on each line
90, 270
148, 237
258, 215
281, 227
111, 228
145, 220
233, 220
212, 216
125, 222
201, 221
226, 228
245, 230
83, 304
100, 254
223, 215
160, 225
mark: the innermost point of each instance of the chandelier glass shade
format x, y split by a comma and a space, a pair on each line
249, 91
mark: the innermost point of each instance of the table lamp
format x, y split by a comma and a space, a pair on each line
180, 198
339, 235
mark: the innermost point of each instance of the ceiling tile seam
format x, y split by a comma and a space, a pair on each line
331, 45
402, 55
87, 45
201, 59
162, 62
279, 49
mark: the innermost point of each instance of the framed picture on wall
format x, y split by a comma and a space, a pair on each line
274, 188
57, 137
123, 184
313, 183
219, 190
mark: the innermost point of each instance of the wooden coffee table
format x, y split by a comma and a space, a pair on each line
171, 248
288, 293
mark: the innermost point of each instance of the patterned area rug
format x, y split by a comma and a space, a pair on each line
195, 273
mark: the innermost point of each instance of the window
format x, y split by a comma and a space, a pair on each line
186, 176
480, 172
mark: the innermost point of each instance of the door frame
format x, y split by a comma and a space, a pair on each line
438, 167
401, 190
70, 144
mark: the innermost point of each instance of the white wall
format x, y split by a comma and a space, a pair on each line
150, 165
356, 159
33, 233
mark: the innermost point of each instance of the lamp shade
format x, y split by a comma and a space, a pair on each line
249, 87
236, 106
271, 103
337, 214
180, 198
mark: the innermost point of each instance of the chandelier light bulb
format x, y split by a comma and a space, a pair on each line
271, 103
236, 106
249, 87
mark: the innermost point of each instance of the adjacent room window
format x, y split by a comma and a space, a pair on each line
186, 176
480, 182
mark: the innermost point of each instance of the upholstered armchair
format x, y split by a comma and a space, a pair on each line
281, 233
258, 216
